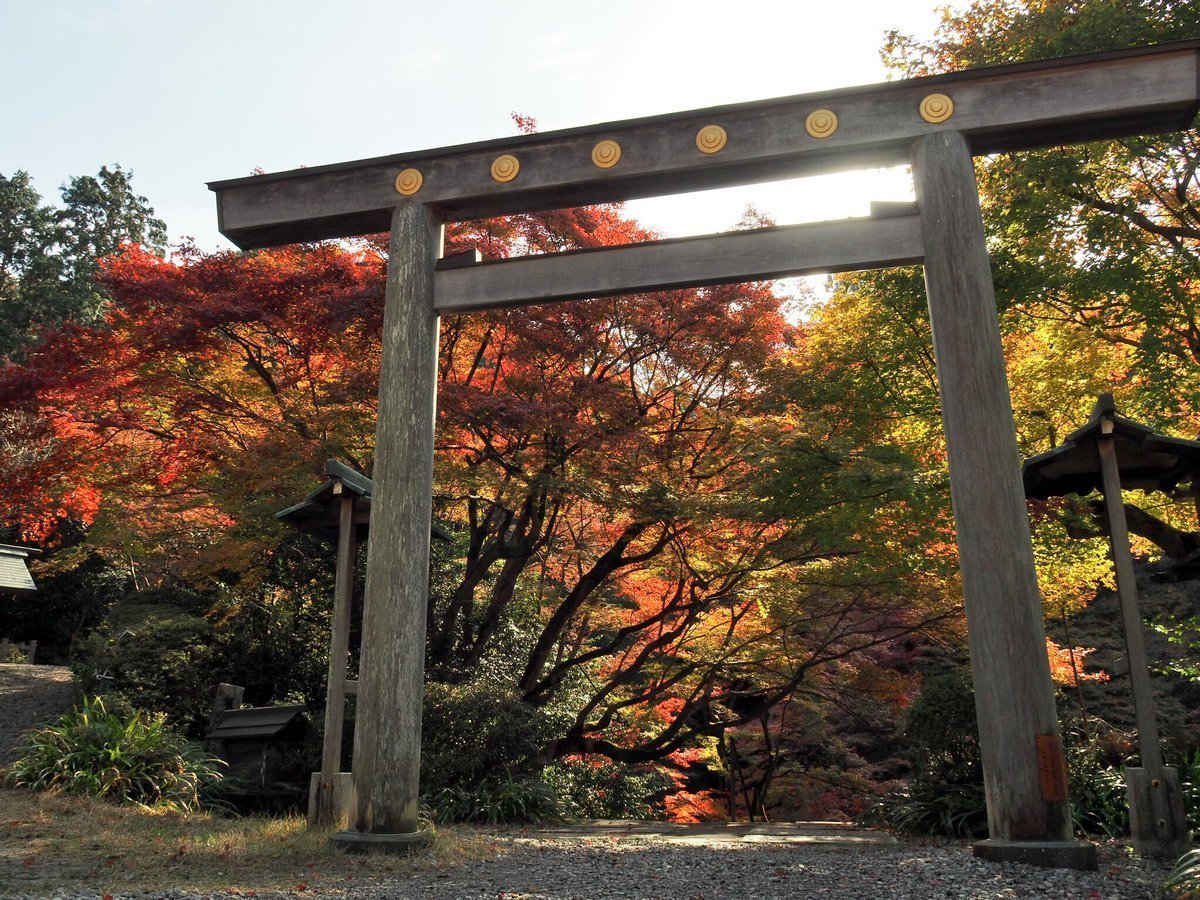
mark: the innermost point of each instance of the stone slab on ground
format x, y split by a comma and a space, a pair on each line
30, 696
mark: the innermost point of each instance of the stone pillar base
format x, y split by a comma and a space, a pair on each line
359, 842
1047, 854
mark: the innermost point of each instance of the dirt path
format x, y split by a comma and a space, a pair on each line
30, 696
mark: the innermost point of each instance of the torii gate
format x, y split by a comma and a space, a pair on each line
936, 123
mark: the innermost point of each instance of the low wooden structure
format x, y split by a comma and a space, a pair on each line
937, 124
1108, 454
255, 742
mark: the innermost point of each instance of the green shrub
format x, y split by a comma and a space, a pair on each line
166, 649
1188, 764
15, 656
941, 735
1184, 880
946, 796
135, 759
597, 788
156, 652
1099, 801
477, 734
482, 753
1099, 804
936, 810
498, 801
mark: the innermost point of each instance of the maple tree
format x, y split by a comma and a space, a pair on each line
603, 465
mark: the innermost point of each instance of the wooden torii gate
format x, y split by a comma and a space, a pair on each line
937, 124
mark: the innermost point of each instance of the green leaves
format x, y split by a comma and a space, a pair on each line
1184, 880
130, 760
49, 257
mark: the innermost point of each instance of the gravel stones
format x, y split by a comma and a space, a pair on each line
529, 866
597, 869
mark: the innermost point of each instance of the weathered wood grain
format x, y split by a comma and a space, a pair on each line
1011, 672
339, 651
1131, 619
1001, 108
685, 262
1158, 824
387, 742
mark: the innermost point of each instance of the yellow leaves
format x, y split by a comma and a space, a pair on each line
1071, 571
1056, 370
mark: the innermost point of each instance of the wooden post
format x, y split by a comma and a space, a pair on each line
1011, 673
387, 741
339, 646
1157, 820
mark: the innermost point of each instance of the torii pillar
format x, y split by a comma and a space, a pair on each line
1029, 818
387, 731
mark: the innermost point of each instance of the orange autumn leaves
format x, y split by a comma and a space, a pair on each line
607, 466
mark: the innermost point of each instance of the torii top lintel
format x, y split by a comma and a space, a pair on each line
1014, 107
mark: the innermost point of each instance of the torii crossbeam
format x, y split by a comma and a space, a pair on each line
937, 124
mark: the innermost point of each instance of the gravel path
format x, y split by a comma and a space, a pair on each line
31, 696
607, 869
538, 867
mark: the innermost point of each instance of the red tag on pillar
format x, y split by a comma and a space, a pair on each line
1052, 766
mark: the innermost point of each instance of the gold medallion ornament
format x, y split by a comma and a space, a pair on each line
506, 167
937, 108
606, 154
409, 182
821, 123
711, 139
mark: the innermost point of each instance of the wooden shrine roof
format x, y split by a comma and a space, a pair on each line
1147, 460
255, 723
318, 512
14, 573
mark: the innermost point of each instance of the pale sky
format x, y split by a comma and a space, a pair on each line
183, 92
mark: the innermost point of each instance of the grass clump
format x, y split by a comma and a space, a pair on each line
135, 759
498, 801
1184, 880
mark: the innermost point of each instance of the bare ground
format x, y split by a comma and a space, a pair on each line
31, 696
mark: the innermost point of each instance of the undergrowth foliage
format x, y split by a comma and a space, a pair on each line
946, 796
137, 759
507, 798
1184, 880
482, 753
